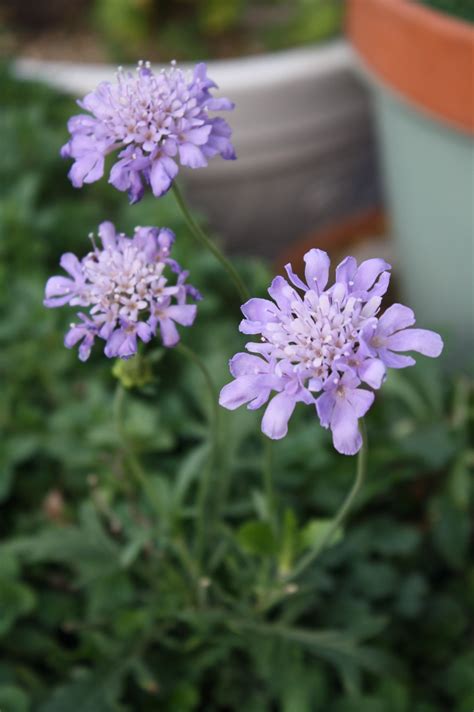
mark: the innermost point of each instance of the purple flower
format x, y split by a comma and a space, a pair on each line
156, 121
323, 346
126, 287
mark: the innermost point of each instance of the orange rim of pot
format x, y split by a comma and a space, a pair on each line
425, 55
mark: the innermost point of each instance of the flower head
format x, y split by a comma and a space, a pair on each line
127, 290
323, 346
154, 121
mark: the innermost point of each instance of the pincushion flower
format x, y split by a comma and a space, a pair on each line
323, 346
127, 289
155, 121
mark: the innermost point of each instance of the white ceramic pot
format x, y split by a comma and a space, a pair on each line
303, 137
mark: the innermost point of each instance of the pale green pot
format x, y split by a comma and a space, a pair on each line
428, 170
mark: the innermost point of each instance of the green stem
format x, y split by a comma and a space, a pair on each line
201, 236
178, 546
268, 480
205, 483
343, 511
133, 462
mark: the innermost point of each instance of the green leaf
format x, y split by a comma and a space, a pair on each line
375, 579
13, 699
257, 538
290, 541
412, 593
185, 697
451, 531
432, 443
367, 703
398, 386
134, 547
459, 677
12, 452
96, 692
338, 648
314, 534
390, 538
190, 469
158, 489
87, 547
396, 696
16, 600
460, 483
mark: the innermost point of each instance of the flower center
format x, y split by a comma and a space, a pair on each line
123, 282
316, 333
148, 108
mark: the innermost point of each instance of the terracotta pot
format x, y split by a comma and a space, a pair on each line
426, 56
420, 66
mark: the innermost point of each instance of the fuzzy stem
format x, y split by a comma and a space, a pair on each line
133, 462
201, 236
343, 511
267, 471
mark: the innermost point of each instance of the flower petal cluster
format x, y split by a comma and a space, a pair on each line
323, 346
126, 288
155, 121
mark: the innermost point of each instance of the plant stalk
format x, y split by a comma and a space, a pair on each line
205, 483
133, 462
341, 515
267, 472
201, 236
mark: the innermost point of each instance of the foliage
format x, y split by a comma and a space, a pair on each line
197, 29
113, 597
462, 9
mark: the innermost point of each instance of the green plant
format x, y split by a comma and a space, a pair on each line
197, 29
463, 9
102, 607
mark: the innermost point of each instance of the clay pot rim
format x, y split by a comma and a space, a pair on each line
423, 54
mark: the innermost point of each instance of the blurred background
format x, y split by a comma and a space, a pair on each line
354, 127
